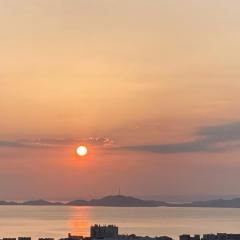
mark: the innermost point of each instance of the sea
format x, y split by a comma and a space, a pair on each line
57, 221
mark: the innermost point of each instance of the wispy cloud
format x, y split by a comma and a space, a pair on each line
216, 138
55, 142
207, 139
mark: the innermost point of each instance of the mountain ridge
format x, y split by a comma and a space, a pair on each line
129, 201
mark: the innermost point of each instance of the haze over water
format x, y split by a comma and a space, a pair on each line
57, 221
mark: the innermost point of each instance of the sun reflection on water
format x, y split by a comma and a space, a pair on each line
80, 221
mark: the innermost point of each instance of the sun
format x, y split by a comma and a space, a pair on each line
82, 151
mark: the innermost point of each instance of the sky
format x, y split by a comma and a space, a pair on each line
151, 87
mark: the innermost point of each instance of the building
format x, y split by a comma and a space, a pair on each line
221, 236
46, 239
101, 232
72, 237
189, 237
233, 237
209, 237
24, 238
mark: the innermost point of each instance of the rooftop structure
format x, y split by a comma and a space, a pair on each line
189, 237
101, 232
221, 236
46, 239
73, 237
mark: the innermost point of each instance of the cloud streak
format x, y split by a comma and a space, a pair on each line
55, 142
217, 138
209, 139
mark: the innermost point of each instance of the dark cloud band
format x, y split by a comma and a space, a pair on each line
207, 139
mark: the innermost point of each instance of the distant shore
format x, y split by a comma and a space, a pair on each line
127, 201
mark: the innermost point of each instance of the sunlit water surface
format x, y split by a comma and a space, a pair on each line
57, 221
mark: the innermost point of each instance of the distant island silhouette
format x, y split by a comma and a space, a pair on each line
128, 201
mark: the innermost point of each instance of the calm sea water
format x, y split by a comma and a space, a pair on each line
57, 221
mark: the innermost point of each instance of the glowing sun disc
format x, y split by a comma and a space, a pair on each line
81, 151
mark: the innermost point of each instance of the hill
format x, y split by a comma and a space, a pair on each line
41, 202
127, 201
118, 201
218, 203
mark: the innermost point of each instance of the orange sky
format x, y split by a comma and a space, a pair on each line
143, 79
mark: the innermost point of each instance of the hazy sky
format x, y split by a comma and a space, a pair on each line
152, 87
